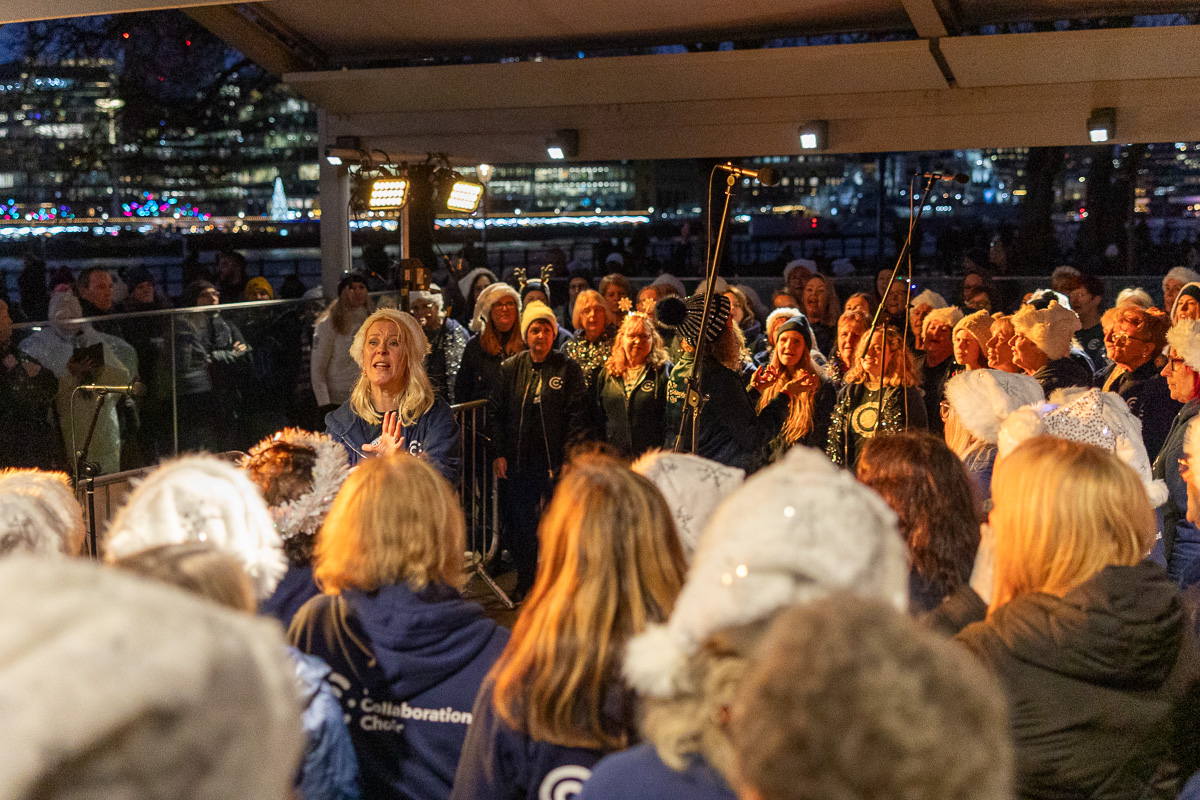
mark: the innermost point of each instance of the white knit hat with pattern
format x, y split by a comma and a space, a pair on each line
793, 532
978, 324
535, 311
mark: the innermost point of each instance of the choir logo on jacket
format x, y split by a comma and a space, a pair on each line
563, 783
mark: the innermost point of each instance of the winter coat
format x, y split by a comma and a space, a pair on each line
731, 431
409, 665
1166, 468
442, 362
1063, 373
435, 436
640, 774
957, 610
333, 371
329, 769
295, 589
538, 412
634, 422
502, 763
933, 386
1102, 686
478, 373
847, 435
1149, 398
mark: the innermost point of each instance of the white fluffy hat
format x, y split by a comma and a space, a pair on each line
1181, 274
983, 398
949, 315
202, 499
929, 298
692, 486
978, 324
791, 533
39, 513
1184, 337
487, 298
1089, 416
467, 281
1050, 328
114, 686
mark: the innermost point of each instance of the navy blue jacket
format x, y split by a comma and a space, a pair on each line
436, 436
500, 763
639, 774
294, 590
409, 665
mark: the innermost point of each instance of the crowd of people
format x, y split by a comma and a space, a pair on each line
938, 551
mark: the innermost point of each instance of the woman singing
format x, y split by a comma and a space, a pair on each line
811, 404
631, 388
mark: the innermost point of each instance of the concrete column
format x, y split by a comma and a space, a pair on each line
335, 213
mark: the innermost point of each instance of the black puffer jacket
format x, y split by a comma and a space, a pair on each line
1102, 686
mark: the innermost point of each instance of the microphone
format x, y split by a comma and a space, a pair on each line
135, 389
958, 177
766, 176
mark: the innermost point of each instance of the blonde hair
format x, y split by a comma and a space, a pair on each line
417, 397
904, 370
616, 364
611, 564
395, 519
591, 294
800, 408
1064, 511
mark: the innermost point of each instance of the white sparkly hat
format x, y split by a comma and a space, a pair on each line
793, 532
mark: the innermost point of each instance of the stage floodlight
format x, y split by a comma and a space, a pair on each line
1102, 125
464, 196
563, 144
387, 193
814, 135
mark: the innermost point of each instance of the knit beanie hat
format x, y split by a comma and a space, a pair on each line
692, 486
535, 311
1191, 290
39, 514
1181, 274
929, 298
978, 324
258, 283
1184, 336
488, 298
798, 324
202, 499
535, 285
983, 398
119, 687
949, 315
467, 281
1041, 299
793, 532
685, 315
1089, 416
349, 278
1050, 328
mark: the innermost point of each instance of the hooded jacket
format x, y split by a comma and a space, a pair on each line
409, 665
1102, 686
435, 436
640, 774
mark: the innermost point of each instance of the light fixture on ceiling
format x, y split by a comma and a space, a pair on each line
563, 144
1102, 125
385, 193
814, 135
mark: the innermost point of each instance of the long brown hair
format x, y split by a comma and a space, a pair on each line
922, 480
611, 564
800, 408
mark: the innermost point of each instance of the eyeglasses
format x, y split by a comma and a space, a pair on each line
507, 304
1175, 363
1122, 339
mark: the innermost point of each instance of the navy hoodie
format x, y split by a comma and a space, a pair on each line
435, 435
639, 774
408, 665
294, 590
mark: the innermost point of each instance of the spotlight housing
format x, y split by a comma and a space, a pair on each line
814, 135
387, 193
563, 144
464, 196
1102, 125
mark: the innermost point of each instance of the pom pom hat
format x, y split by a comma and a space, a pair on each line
783, 537
535, 311
202, 499
983, 398
1050, 328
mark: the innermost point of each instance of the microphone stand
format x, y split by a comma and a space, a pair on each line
905, 250
86, 471
695, 401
